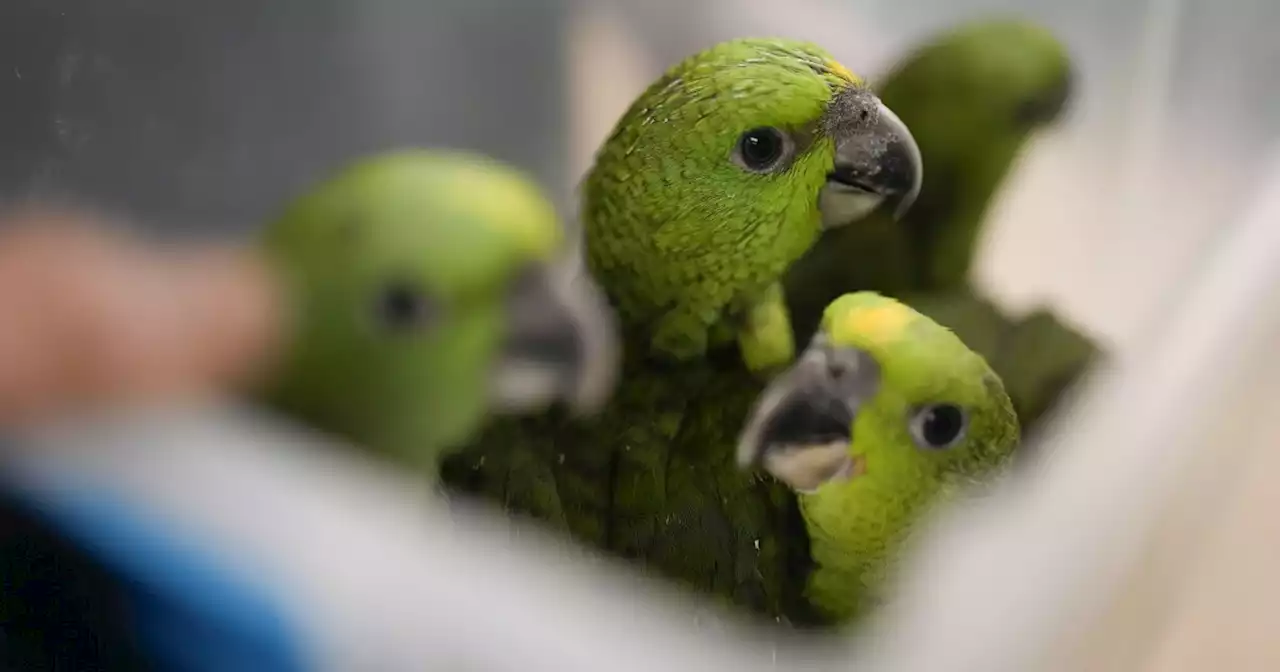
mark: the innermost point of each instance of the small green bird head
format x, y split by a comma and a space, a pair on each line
884, 413
726, 168
995, 78
429, 290
972, 97
881, 393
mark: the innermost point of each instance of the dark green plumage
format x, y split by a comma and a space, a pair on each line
667, 493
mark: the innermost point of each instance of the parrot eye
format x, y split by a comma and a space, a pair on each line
938, 426
402, 306
761, 150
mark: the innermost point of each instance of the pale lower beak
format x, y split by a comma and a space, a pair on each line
878, 167
561, 345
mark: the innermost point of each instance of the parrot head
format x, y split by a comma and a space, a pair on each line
995, 78
429, 289
885, 414
726, 168
973, 96
883, 396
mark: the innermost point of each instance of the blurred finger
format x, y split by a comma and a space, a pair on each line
89, 317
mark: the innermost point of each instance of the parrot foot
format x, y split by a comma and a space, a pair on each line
764, 337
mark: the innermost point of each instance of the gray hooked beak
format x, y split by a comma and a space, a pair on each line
801, 428
877, 160
561, 344
1048, 105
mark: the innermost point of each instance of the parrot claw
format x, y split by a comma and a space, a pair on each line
764, 334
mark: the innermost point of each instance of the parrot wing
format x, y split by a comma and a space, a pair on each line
1042, 357
651, 480
570, 472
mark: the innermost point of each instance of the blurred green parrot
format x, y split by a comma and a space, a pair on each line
973, 96
427, 291
886, 414
721, 174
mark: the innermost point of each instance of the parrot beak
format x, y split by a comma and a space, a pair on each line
801, 428
1048, 105
877, 160
561, 344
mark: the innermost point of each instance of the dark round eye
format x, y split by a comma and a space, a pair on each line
761, 148
938, 426
402, 306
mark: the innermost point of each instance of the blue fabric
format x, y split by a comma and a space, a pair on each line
191, 611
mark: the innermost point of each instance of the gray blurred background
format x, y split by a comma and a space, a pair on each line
208, 114
201, 117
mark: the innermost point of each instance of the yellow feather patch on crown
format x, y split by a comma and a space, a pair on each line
836, 68
880, 324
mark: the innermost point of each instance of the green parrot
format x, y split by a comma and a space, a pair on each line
717, 178
427, 290
973, 96
886, 414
